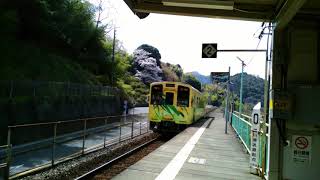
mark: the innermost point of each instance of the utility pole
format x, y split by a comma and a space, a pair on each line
113, 51
241, 84
227, 104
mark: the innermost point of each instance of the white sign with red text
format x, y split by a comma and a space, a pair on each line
301, 151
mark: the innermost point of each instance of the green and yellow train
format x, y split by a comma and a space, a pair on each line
174, 105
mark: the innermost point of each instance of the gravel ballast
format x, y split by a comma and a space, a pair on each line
78, 166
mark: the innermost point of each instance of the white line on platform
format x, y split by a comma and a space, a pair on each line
173, 168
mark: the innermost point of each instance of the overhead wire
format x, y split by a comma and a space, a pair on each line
260, 39
254, 54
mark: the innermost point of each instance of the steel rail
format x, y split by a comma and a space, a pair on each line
94, 171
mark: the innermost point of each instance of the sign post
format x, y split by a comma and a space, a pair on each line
223, 77
227, 103
255, 144
209, 52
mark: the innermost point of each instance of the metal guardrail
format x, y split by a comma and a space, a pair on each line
89, 135
243, 129
243, 116
242, 126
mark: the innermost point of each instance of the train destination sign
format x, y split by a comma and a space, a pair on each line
209, 50
219, 76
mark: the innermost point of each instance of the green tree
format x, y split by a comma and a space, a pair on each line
64, 28
171, 72
190, 79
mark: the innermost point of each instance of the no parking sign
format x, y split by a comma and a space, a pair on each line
301, 151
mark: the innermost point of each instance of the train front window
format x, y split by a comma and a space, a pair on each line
156, 94
169, 98
183, 96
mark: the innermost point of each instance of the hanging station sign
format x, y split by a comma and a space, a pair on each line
218, 77
209, 50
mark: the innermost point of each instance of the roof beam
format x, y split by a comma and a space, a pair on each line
212, 13
287, 12
131, 5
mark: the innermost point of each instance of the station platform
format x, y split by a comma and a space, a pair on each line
203, 152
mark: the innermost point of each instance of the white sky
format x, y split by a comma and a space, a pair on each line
179, 39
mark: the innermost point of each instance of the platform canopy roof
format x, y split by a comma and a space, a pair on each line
277, 11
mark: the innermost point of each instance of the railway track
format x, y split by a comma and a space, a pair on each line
110, 168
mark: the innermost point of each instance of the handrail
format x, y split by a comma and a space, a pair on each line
87, 133
3, 165
243, 120
236, 112
69, 121
4, 146
249, 117
82, 136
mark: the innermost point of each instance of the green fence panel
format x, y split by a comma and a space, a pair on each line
242, 128
263, 144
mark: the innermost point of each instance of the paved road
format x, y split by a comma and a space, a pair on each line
38, 157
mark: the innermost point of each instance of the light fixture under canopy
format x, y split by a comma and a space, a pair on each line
205, 4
